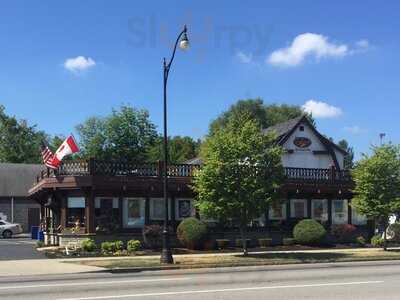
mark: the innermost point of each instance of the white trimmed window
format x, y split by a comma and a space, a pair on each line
133, 212
157, 209
319, 209
298, 208
184, 208
277, 211
357, 218
75, 211
339, 211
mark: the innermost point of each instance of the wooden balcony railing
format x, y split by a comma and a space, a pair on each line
93, 167
107, 168
317, 175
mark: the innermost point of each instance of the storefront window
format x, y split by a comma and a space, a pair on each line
75, 211
184, 208
277, 211
357, 218
339, 212
298, 208
133, 212
107, 216
157, 208
319, 209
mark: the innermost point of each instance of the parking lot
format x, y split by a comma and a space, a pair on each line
18, 248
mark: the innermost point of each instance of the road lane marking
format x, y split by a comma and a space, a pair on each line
224, 290
89, 283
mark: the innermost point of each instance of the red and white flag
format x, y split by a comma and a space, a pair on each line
47, 156
68, 147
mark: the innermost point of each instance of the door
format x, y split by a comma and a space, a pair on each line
33, 218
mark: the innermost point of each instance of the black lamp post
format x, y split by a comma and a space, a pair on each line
166, 255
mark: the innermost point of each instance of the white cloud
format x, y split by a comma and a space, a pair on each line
79, 64
354, 129
244, 58
306, 45
364, 44
320, 109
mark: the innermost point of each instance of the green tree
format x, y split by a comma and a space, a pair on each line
180, 149
265, 115
349, 158
377, 184
241, 174
19, 141
126, 135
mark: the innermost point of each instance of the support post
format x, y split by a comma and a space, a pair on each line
349, 216
330, 212
89, 212
63, 217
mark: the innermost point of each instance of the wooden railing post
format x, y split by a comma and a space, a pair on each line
160, 167
333, 173
92, 166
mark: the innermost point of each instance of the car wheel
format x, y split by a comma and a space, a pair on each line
7, 234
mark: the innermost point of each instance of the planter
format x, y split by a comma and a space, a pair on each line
222, 243
288, 241
239, 243
265, 242
209, 245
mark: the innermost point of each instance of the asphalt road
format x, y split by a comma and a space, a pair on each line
18, 248
372, 280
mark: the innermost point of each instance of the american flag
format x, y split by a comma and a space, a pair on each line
47, 156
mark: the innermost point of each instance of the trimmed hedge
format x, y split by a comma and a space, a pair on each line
309, 232
192, 233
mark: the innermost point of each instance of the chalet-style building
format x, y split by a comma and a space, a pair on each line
15, 206
111, 197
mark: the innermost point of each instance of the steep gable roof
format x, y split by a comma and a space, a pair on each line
285, 129
17, 179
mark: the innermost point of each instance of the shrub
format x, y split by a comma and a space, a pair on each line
106, 247
377, 241
39, 244
309, 232
360, 240
344, 233
119, 245
265, 242
222, 243
112, 246
192, 232
288, 241
133, 246
152, 236
88, 245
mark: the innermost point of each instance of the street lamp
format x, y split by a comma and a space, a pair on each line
166, 254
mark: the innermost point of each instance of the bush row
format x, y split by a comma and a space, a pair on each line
111, 247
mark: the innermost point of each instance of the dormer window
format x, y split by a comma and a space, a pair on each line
301, 128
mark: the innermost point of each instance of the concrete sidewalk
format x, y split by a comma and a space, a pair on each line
30, 267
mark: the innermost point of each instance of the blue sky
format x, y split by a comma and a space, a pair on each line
61, 62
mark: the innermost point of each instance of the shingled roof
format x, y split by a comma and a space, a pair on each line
283, 131
17, 179
283, 128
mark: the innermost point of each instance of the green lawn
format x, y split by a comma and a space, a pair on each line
251, 260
